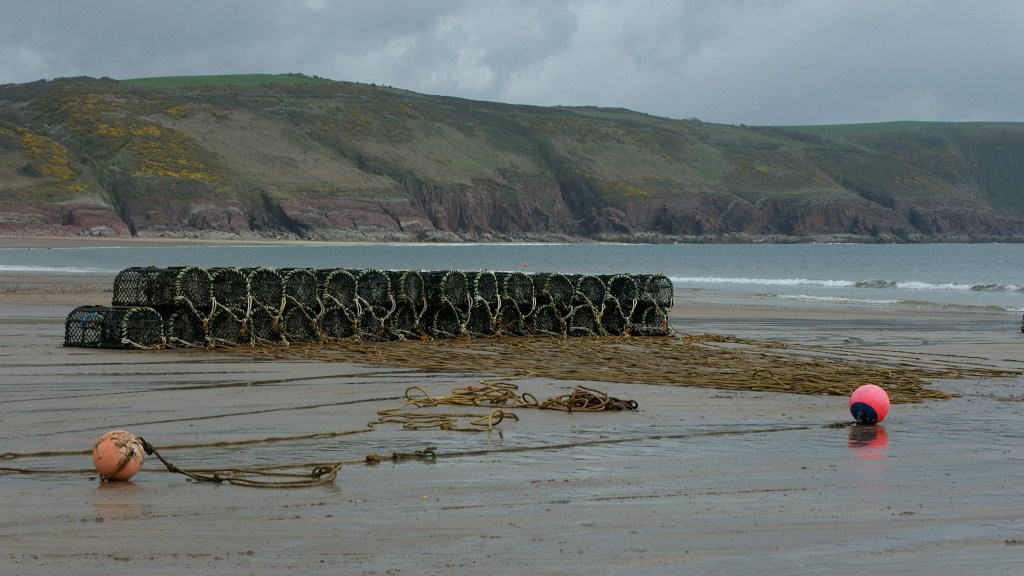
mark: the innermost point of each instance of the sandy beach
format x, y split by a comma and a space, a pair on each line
697, 481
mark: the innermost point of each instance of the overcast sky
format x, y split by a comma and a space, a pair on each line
757, 62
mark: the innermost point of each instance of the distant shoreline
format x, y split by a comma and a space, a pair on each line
119, 241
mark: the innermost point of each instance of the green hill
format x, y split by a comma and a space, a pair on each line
297, 156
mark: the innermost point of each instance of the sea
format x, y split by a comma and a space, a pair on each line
827, 276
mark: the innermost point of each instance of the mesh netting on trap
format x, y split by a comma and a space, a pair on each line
582, 320
370, 326
444, 321
113, 327
649, 319
264, 324
510, 321
403, 322
266, 287
373, 290
228, 326
658, 288
485, 288
556, 290
185, 327
163, 287
337, 322
230, 287
547, 321
299, 285
409, 286
449, 286
590, 289
339, 288
625, 289
481, 321
518, 288
298, 324
613, 319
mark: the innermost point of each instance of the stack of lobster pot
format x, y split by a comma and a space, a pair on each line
228, 322
232, 306
301, 306
114, 327
182, 296
338, 298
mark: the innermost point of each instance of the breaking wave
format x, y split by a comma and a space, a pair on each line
55, 269
876, 284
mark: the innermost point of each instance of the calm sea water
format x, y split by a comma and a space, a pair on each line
832, 276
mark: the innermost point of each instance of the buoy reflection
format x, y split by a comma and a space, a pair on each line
869, 440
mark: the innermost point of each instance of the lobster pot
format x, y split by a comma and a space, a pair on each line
582, 321
518, 288
556, 290
485, 288
481, 321
404, 321
510, 321
162, 287
339, 288
649, 319
373, 289
445, 321
266, 287
265, 324
658, 288
370, 326
623, 288
298, 324
113, 327
546, 320
613, 321
228, 326
451, 286
408, 286
589, 289
230, 287
299, 285
337, 322
183, 327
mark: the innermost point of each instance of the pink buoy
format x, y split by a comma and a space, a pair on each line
118, 455
869, 404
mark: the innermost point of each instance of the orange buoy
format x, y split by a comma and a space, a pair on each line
118, 455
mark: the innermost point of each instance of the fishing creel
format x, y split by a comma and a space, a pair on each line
113, 327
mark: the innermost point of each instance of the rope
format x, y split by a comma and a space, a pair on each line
322, 474
708, 361
497, 394
583, 399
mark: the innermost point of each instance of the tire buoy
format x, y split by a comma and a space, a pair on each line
869, 404
118, 455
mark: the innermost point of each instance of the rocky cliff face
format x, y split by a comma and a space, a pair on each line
475, 213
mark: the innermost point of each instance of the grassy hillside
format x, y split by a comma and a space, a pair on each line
254, 139
174, 82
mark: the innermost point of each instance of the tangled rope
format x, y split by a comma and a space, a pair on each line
708, 361
499, 395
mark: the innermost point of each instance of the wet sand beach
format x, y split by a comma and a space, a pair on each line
697, 481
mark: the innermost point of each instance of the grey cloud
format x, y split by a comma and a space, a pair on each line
734, 61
